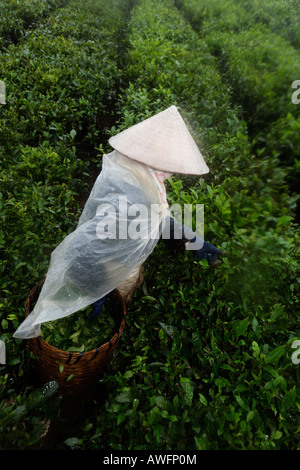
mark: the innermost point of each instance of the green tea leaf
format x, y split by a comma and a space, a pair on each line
202, 399
288, 399
121, 417
73, 133
255, 349
275, 355
123, 397
162, 402
167, 329
128, 374
241, 327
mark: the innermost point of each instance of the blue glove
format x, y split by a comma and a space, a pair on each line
96, 308
208, 252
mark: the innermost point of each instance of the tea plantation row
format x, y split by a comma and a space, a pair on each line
258, 57
18, 17
205, 358
62, 79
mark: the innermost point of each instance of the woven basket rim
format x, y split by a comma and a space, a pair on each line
70, 354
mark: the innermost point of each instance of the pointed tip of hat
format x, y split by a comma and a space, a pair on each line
162, 141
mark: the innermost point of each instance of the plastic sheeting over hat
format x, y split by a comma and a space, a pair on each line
162, 141
118, 229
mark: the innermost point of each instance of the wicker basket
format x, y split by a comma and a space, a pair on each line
73, 371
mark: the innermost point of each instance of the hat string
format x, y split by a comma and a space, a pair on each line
159, 177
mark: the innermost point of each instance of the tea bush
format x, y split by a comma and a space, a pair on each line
181, 70
53, 96
54, 108
17, 17
61, 82
205, 359
281, 17
261, 75
234, 16
259, 66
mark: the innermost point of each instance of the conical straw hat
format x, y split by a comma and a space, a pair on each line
163, 142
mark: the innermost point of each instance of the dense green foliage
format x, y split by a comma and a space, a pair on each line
205, 359
79, 332
18, 17
259, 66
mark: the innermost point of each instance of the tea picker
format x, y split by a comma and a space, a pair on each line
123, 219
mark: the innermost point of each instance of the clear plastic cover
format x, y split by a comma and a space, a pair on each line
118, 229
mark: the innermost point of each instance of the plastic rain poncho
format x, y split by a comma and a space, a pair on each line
118, 229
